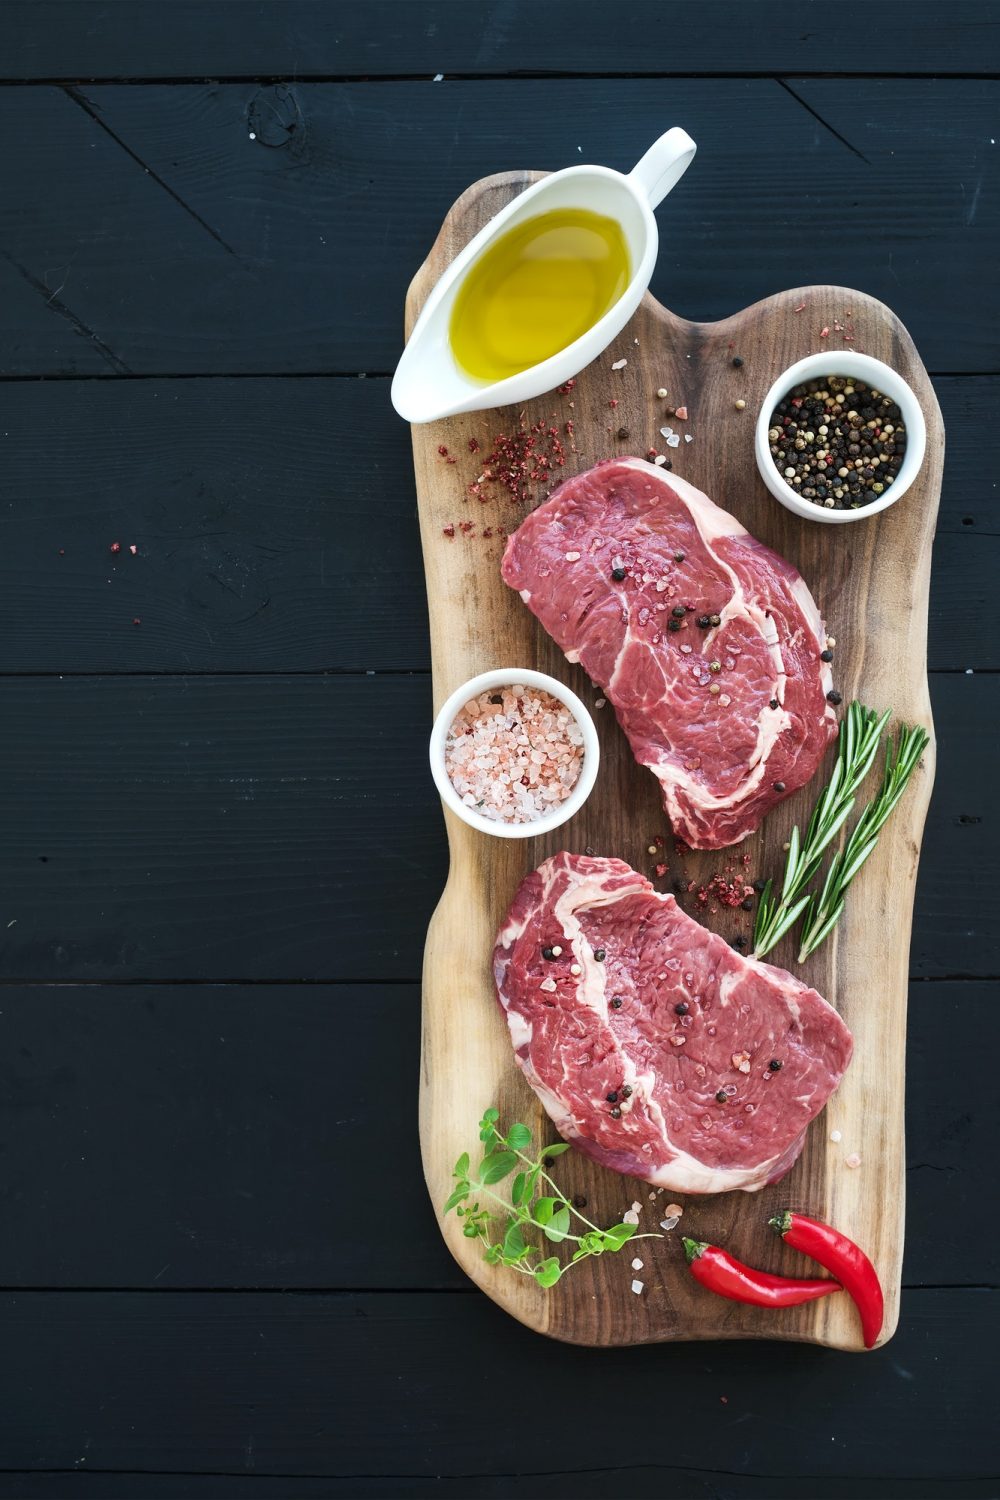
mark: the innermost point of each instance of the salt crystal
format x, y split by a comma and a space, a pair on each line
637, 1264
636, 1208
601, 702
670, 1223
688, 438
681, 413
572, 557
854, 1160
548, 985
666, 431
631, 1217
637, 1287
660, 458
619, 364
673, 1210
835, 1136
673, 441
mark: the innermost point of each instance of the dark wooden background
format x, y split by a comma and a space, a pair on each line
219, 846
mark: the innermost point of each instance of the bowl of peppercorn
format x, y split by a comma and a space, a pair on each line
840, 436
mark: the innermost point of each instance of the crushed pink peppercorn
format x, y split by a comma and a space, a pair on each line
514, 753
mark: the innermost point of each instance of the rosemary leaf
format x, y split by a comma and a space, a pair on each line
824, 913
860, 733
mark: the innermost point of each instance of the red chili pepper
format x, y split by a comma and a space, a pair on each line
844, 1258
722, 1273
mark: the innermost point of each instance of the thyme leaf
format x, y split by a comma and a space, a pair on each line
505, 1229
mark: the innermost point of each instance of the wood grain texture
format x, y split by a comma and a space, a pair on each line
286, 1383
261, 550
383, 38
281, 828
871, 583
238, 1137
145, 231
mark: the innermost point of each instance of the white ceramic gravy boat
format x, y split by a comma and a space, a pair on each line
429, 383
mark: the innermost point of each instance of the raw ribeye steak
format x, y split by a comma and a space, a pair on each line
627, 567
656, 1048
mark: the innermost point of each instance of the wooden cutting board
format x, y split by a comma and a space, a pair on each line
870, 580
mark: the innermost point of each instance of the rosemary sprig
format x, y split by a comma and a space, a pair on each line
860, 732
551, 1214
824, 911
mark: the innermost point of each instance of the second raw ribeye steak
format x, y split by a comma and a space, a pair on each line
656, 1048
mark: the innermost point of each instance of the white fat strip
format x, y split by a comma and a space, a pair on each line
525, 595
714, 522
682, 1172
685, 1174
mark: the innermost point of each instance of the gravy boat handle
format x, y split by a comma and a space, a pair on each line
663, 165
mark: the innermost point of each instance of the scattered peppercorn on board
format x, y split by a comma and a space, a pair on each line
871, 582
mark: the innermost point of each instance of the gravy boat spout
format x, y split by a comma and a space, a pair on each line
430, 384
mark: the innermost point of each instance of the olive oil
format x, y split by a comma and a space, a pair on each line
539, 287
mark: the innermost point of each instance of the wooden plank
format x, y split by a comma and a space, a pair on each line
246, 1146
411, 1384
263, 828
313, 38
274, 520
206, 828
276, 527
186, 247
870, 583
647, 1482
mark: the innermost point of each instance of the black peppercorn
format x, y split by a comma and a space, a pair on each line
681, 1009
678, 611
775, 1065
779, 786
612, 1098
721, 1097
618, 574
678, 557
623, 433
774, 703
599, 955
626, 1091
616, 1113
826, 655
834, 697
715, 619
579, 1201
548, 953
702, 622
673, 624
616, 1003
496, 697
739, 942
737, 362
747, 903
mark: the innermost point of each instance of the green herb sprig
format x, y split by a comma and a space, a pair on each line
549, 1214
859, 740
824, 911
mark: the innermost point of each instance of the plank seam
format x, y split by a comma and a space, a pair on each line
93, 113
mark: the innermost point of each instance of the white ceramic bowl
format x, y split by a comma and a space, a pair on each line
876, 374
506, 677
429, 383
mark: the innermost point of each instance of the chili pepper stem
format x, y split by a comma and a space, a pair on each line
781, 1223
693, 1248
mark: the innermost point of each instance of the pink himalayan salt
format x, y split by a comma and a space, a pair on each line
516, 759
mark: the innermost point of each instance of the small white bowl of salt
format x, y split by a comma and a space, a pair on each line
514, 753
